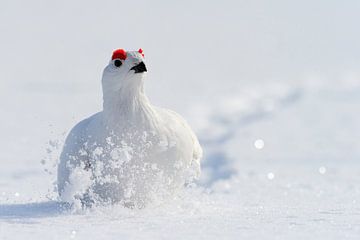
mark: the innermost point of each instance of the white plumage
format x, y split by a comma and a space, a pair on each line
131, 152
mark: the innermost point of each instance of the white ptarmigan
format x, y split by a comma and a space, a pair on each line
131, 152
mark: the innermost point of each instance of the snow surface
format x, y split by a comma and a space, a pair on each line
271, 89
303, 180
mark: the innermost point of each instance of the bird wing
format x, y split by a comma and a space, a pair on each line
197, 150
73, 154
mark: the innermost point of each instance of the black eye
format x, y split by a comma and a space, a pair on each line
117, 63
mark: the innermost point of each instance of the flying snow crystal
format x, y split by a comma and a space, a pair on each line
17, 194
270, 176
259, 144
322, 170
73, 234
131, 152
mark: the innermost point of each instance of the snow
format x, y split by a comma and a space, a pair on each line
275, 109
303, 186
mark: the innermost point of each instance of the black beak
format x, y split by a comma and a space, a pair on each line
139, 68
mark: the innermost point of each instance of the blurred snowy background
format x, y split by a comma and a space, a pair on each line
272, 88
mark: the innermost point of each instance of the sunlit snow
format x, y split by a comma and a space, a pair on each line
272, 90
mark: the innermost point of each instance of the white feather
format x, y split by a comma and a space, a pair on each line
135, 152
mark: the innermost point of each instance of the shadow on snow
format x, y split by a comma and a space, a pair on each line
33, 210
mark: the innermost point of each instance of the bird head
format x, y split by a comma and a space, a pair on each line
124, 74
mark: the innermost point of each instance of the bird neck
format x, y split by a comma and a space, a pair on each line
128, 107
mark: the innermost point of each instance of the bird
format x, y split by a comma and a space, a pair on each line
131, 152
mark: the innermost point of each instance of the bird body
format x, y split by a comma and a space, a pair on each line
131, 152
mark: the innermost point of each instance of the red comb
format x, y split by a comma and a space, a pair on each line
119, 53
141, 52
